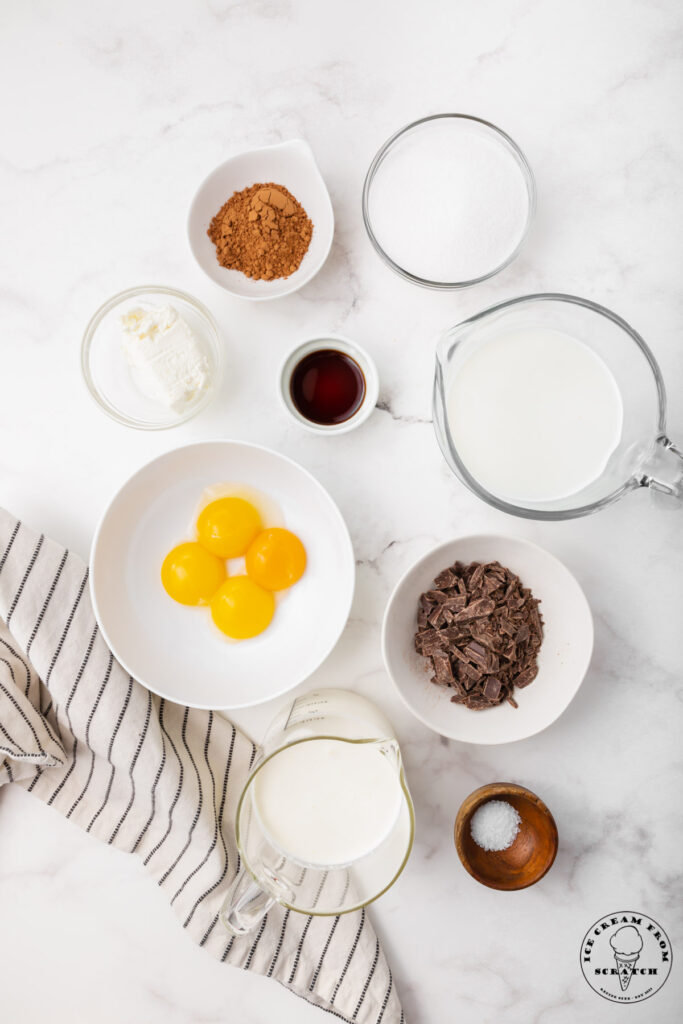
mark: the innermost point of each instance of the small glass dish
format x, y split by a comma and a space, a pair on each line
464, 124
106, 370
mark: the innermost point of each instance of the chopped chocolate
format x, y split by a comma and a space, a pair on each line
442, 668
481, 630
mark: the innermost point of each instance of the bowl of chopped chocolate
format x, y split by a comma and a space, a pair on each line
487, 638
261, 224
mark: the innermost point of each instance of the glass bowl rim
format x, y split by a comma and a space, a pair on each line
383, 152
450, 452
112, 303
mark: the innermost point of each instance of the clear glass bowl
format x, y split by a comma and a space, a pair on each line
644, 457
423, 126
106, 371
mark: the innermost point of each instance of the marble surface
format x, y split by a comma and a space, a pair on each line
113, 114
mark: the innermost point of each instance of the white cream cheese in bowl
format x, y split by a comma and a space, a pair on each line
152, 357
166, 360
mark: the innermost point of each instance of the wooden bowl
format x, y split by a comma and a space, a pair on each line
531, 854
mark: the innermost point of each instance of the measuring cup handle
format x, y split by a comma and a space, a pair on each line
664, 472
244, 905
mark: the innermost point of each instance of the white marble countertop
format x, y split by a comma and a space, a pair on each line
113, 114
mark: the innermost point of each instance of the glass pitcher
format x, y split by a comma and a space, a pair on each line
644, 457
314, 849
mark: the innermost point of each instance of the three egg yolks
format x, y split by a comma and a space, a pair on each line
242, 606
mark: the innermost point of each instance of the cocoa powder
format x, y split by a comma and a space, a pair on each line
263, 231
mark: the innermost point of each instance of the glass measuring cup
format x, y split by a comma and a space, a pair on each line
269, 873
644, 456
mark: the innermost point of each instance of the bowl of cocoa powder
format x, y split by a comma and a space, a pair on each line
261, 224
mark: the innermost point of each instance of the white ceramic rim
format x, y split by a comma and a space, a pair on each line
304, 280
349, 348
444, 546
344, 530
112, 303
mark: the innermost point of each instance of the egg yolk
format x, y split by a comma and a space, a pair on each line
241, 609
191, 575
276, 559
227, 526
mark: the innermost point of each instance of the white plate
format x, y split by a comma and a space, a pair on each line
291, 164
173, 649
563, 658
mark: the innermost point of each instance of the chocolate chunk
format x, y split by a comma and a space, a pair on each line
526, 677
435, 618
442, 668
476, 609
481, 629
492, 688
476, 653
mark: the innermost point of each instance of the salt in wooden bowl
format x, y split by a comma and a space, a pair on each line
532, 852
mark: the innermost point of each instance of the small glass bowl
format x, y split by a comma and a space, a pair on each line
503, 141
106, 371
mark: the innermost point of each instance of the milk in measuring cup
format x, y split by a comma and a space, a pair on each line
324, 801
534, 414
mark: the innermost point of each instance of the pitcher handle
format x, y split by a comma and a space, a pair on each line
244, 905
664, 471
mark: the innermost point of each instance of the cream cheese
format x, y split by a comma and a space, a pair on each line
165, 359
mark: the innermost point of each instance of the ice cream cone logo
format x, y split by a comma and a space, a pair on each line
627, 943
626, 957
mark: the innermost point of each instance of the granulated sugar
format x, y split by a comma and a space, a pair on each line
449, 202
494, 825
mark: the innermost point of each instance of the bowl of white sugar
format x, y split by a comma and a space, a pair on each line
448, 201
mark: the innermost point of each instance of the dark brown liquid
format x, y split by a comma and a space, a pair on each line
327, 387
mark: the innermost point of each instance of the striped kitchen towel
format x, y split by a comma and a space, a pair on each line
154, 779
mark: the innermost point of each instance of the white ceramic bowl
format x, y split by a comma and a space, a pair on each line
349, 348
173, 649
291, 164
106, 371
563, 658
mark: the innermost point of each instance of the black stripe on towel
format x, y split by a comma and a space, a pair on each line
8, 693
256, 942
30, 565
11, 541
67, 707
386, 998
350, 956
279, 944
22, 661
369, 979
136, 755
297, 955
46, 602
160, 769
109, 752
225, 850
93, 709
322, 955
215, 819
200, 793
162, 705
16, 748
66, 629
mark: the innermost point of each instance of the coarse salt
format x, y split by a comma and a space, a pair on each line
449, 202
495, 825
